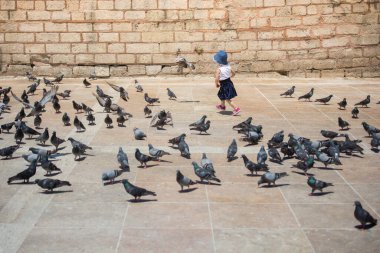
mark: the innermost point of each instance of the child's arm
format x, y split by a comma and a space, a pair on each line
232, 73
217, 76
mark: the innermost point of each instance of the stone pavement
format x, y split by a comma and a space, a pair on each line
236, 216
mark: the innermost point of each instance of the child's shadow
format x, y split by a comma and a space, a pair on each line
225, 112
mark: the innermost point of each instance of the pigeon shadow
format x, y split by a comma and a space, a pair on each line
55, 192
205, 183
253, 175
365, 227
141, 200
356, 155
148, 166
189, 101
80, 159
174, 147
121, 125
275, 161
58, 112
204, 134
250, 144
68, 124
43, 145
303, 174
148, 117
287, 157
110, 127
316, 194
10, 158
91, 124
20, 142
375, 150
327, 168
345, 129
342, 109
164, 161
274, 185
26, 183
225, 112
60, 148
188, 190
52, 174
111, 183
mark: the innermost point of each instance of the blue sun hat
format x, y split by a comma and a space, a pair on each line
221, 57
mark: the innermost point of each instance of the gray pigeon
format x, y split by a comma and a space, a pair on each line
55, 140
110, 175
138, 86
262, 155
123, 160
274, 155
135, 191
108, 121
364, 102
183, 181
44, 136
142, 158
324, 100
49, 167
156, 153
30, 157
176, 140
363, 216
355, 112
78, 144
26, 174
344, 125
317, 184
199, 122
207, 164
184, 148
307, 95
7, 152
202, 127
270, 178
139, 135
79, 125
171, 94
325, 159
147, 111
288, 92
232, 150
37, 121
253, 167
66, 119
50, 184
204, 174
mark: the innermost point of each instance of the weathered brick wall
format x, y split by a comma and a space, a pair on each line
307, 38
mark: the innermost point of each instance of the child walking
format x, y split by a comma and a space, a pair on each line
223, 81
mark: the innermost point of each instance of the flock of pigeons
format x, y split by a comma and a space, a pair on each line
304, 150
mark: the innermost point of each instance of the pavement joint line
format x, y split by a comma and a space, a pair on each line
282, 115
211, 224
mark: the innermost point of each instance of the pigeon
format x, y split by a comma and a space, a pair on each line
101, 93
77, 106
262, 155
135, 191
122, 92
161, 119
65, 94
375, 143
176, 140
150, 100
307, 95
349, 146
204, 174
41, 152
183, 63
342, 104
305, 165
139, 135
120, 120
287, 150
123, 160
91, 119
183, 181
325, 159
355, 113
37, 121
207, 164
243, 125
370, 129
330, 134
252, 137
80, 146
324, 100
7, 152
289, 92
107, 105
32, 88
253, 167
270, 178
184, 148
77, 152
50, 184
274, 155
79, 125
21, 114
25, 97
92, 76
55, 140
108, 121
110, 175
199, 122
171, 94
31, 157
344, 125
47, 82
363, 216
138, 86
6, 99
49, 167
28, 130
86, 83
66, 119
317, 184
364, 102
276, 139
156, 153
86, 108
143, 159
30, 76
44, 136
7, 126
26, 174
202, 127
232, 150
19, 135
147, 111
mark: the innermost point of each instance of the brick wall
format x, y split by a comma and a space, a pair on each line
306, 38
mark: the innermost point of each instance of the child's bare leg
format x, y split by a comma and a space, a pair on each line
232, 104
223, 102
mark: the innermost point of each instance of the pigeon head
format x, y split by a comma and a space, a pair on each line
36, 181
358, 204
260, 182
125, 181
70, 139
136, 81
368, 97
204, 156
150, 146
364, 124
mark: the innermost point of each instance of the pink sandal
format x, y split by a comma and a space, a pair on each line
236, 111
221, 107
